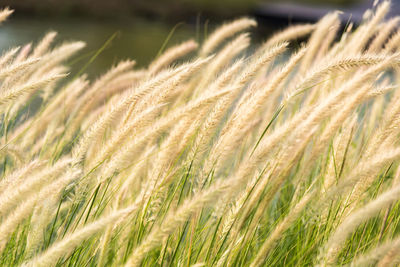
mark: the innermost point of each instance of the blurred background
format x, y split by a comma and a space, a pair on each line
138, 29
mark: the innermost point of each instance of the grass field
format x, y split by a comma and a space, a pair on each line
280, 156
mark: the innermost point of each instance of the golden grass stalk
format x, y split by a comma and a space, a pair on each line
291, 33
5, 13
172, 54
224, 57
18, 175
42, 47
224, 32
133, 148
56, 56
11, 94
23, 54
361, 37
141, 121
317, 39
392, 257
383, 34
8, 56
14, 68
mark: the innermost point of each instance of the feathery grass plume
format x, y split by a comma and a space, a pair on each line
249, 108
13, 196
56, 56
392, 44
49, 88
224, 32
374, 122
389, 117
172, 54
381, 90
351, 103
223, 258
392, 132
90, 98
317, 38
224, 57
99, 87
98, 128
120, 136
14, 68
207, 130
309, 117
42, 47
386, 136
17, 176
132, 148
237, 122
273, 84
103, 246
383, 35
14, 152
362, 36
128, 99
23, 210
31, 88
65, 98
291, 33
331, 102
136, 172
5, 13
335, 242
340, 65
332, 34
40, 218
172, 83
121, 83
11, 94
23, 54
161, 94
7, 56
167, 155
392, 257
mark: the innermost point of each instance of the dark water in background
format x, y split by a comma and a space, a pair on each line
139, 40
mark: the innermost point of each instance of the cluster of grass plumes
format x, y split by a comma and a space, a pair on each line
283, 156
